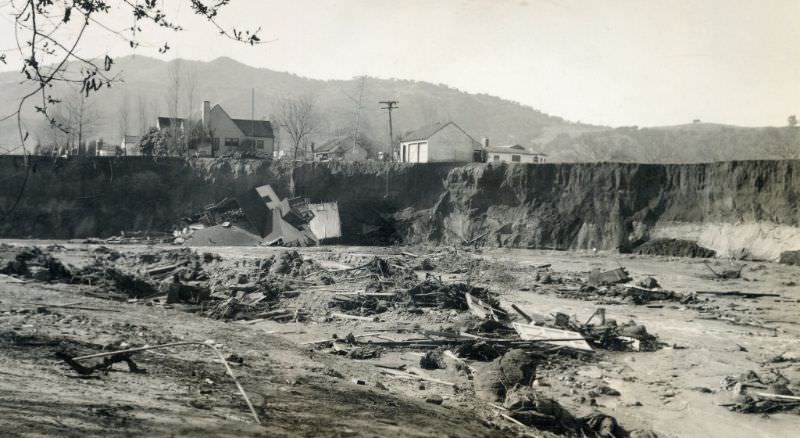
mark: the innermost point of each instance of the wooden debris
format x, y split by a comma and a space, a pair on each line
521, 312
552, 336
734, 293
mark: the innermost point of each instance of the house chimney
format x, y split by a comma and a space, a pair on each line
206, 115
485, 142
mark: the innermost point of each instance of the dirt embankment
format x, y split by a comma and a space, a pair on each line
735, 208
606, 206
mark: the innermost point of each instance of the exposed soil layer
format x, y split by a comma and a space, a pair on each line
555, 206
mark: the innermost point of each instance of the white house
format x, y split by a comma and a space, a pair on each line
513, 154
439, 142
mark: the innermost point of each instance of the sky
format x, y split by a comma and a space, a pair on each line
606, 62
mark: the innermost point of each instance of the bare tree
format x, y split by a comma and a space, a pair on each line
82, 120
123, 116
49, 38
173, 99
190, 87
141, 109
298, 117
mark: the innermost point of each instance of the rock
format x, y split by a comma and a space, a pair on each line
533, 409
432, 360
790, 258
649, 283
513, 368
780, 389
434, 399
607, 390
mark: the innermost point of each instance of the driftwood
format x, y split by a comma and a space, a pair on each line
409, 376
164, 269
735, 293
521, 312
779, 397
357, 318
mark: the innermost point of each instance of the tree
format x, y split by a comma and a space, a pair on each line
123, 116
298, 117
50, 37
173, 106
153, 142
792, 120
82, 119
141, 109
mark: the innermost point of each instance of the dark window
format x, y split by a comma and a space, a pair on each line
260, 144
516, 158
497, 158
231, 141
215, 143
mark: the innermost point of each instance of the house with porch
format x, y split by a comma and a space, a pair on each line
439, 142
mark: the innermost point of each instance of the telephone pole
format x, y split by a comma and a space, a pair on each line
390, 105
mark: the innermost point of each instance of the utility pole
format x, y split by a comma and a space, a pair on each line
390, 105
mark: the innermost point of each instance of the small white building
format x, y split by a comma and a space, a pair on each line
513, 154
440, 142
130, 145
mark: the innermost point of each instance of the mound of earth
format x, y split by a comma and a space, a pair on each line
674, 248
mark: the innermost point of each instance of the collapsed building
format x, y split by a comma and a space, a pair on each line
260, 217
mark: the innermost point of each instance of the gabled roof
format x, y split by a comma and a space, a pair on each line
428, 131
254, 128
166, 122
512, 149
425, 132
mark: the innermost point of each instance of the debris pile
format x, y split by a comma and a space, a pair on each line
674, 248
761, 394
32, 262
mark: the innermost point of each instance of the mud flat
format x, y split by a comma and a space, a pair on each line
340, 340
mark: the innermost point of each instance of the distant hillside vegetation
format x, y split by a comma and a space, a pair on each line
147, 92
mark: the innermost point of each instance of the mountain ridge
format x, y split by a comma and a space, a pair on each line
146, 84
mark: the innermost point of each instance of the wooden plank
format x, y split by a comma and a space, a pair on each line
736, 293
551, 336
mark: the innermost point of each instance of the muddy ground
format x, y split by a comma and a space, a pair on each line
299, 387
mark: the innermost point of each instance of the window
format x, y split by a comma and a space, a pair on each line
215, 143
496, 158
259, 144
231, 141
516, 158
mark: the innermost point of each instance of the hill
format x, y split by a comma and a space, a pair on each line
146, 92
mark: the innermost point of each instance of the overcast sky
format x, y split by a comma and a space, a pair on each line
613, 62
